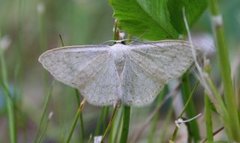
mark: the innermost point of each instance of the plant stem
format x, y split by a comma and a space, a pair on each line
208, 107
116, 31
101, 121
41, 126
173, 138
184, 109
190, 109
11, 119
225, 70
9, 100
110, 122
75, 120
208, 119
126, 120
116, 129
77, 94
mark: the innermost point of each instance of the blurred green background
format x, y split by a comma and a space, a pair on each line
33, 26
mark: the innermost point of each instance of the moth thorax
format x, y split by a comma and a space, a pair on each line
118, 53
119, 62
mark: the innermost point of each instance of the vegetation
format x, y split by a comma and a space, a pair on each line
36, 108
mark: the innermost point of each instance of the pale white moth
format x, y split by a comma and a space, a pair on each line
133, 74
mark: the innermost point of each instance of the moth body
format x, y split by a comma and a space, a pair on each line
118, 51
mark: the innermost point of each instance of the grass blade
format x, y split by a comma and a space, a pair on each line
75, 120
41, 124
9, 99
125, 127
190, 110
232, 121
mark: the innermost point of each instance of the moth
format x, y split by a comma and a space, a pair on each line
105, 74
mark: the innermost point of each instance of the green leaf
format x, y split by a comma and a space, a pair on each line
193, 10
148, 19
156, 19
